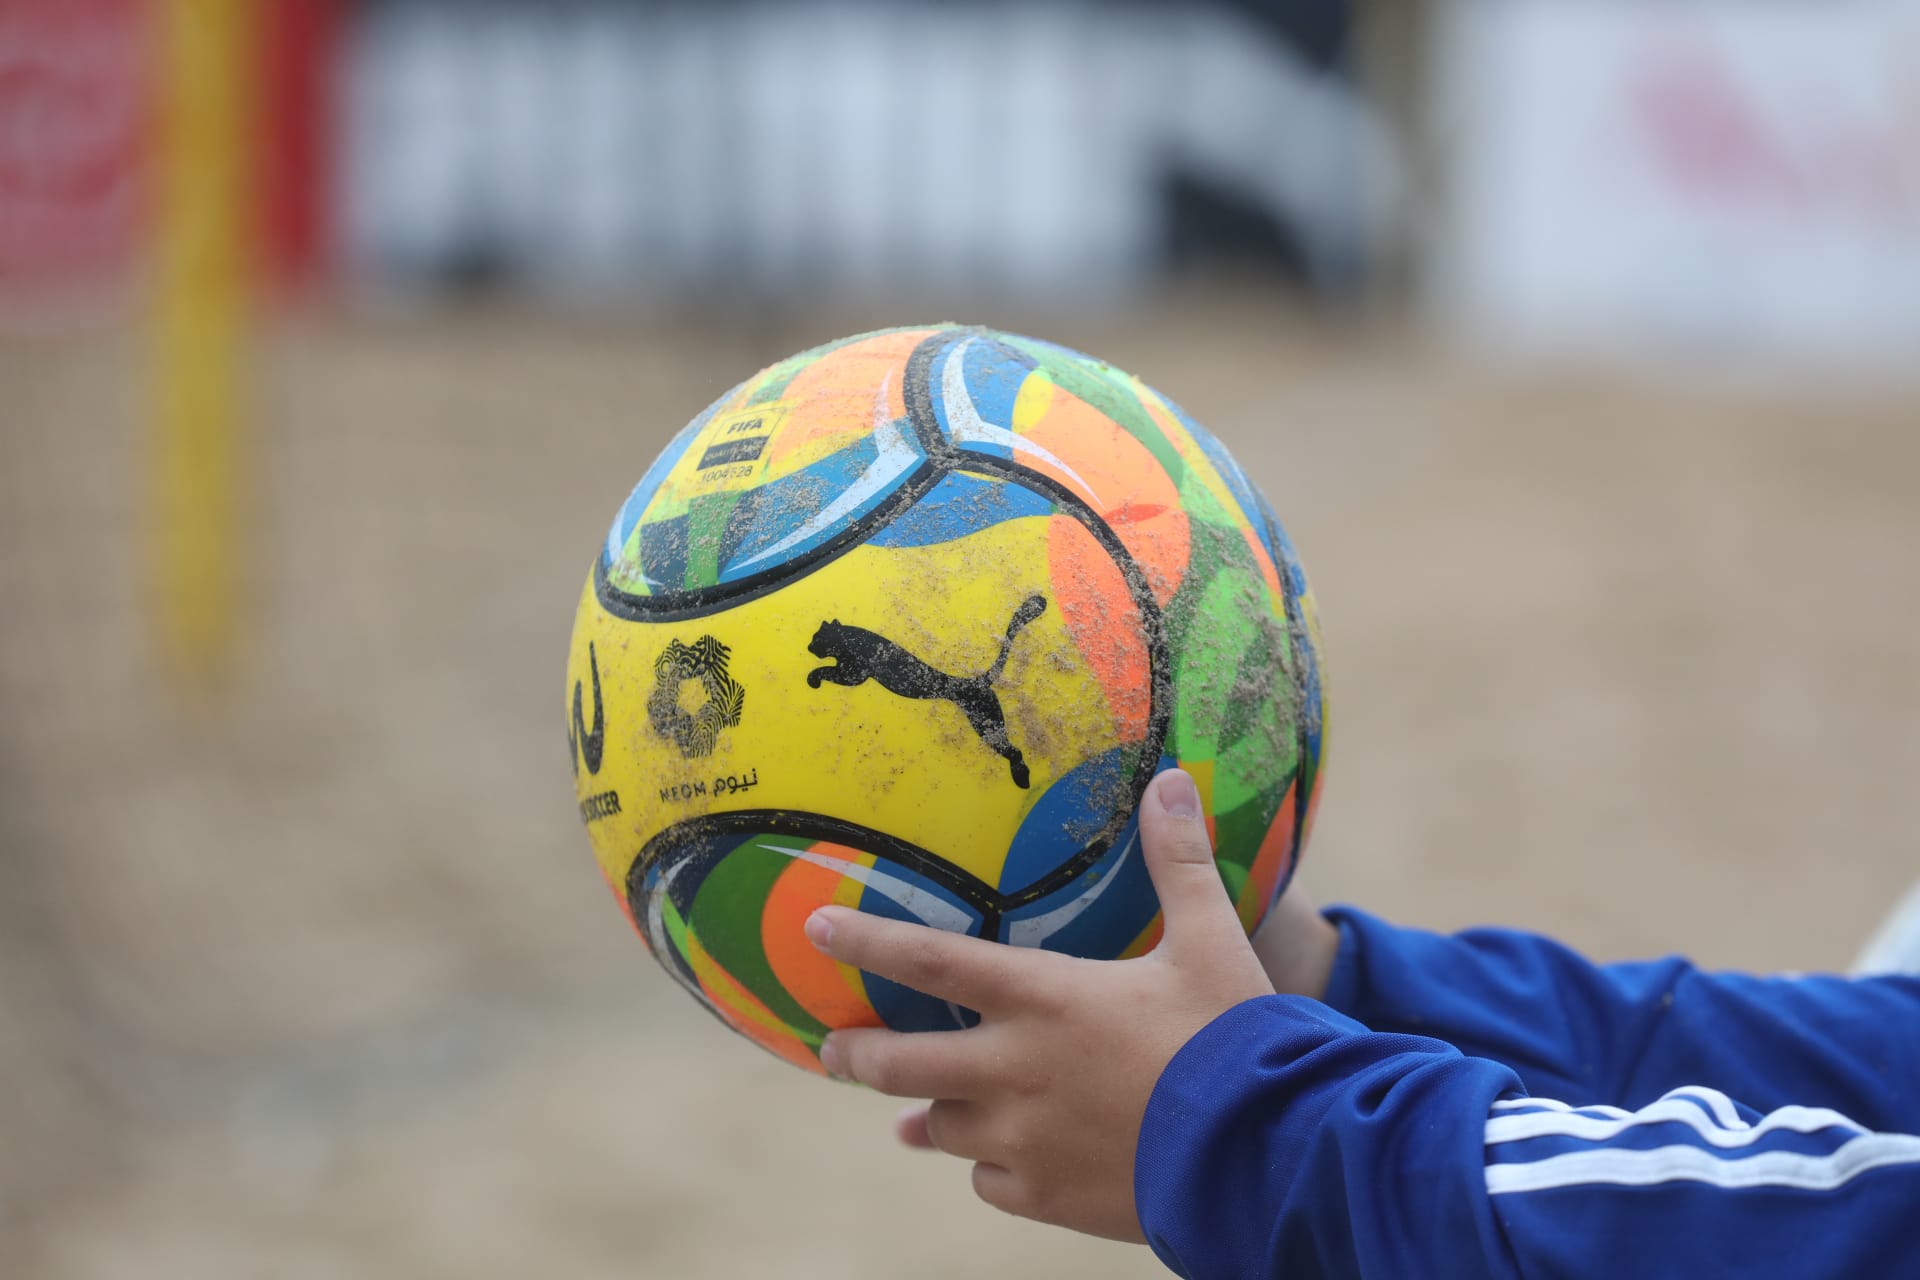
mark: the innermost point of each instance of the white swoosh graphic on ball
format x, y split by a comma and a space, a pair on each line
966, 426
896, 458
663, 942
918, 903
1034, 930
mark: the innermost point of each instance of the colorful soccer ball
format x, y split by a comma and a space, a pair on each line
906, 623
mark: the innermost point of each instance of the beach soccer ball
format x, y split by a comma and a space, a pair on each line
907, 622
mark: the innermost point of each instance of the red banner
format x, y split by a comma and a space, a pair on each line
75, 98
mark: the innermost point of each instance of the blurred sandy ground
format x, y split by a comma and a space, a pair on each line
325, 983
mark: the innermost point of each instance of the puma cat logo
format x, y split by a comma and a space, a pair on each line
585, 744
863, 655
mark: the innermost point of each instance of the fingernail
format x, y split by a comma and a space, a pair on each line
830, 1057
1178, 796
819, 930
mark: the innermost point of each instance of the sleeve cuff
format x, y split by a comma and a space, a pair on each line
1343, 982
1284, 1138
1214, 1109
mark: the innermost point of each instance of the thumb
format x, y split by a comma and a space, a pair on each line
1179, 856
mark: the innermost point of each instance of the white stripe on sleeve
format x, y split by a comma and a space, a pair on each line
1718, 1151
1669, 1110
1692, 1164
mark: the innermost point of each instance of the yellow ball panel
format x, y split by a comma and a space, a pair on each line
915, 767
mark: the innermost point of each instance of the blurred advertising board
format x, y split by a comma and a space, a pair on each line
717, 151
1720, 176
815, 147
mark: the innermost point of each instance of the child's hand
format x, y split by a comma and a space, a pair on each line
1046, 1095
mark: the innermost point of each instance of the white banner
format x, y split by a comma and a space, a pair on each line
1715, 176
833, 146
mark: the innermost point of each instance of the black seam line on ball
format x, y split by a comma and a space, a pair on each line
969, 888
917, 392
674, 606
699, 602
1159, 678
916, 389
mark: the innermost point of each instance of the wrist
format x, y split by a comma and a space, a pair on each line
1297, 946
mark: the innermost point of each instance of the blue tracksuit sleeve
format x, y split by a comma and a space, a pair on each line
1626, 1033
1285, 1140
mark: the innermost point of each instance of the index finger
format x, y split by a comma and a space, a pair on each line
980, 975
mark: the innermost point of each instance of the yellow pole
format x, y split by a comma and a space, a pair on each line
204, 252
